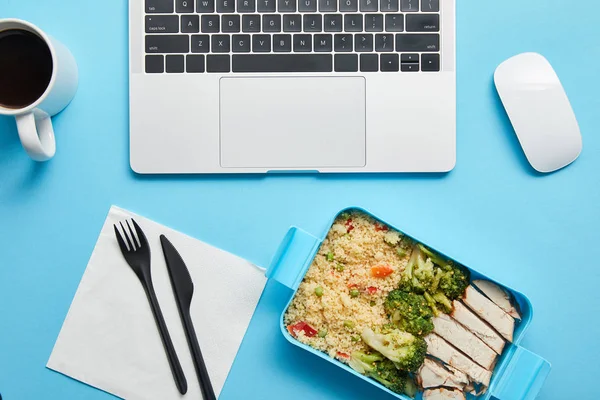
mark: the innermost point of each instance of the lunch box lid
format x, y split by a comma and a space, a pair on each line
519, 373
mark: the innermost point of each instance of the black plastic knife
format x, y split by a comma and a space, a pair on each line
183, 287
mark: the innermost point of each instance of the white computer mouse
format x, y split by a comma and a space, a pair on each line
539, 111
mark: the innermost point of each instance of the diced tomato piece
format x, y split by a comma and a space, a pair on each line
381, 271
381, 228
349, 225
342, 355
302, 327
372, 290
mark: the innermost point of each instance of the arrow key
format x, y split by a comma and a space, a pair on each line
389, 62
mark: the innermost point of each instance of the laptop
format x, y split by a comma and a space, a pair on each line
255, 86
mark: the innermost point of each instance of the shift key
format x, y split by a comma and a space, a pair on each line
411, 42
167, 43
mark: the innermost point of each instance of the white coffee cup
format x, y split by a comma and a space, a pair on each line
34, 108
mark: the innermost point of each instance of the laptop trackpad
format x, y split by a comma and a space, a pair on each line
304, 122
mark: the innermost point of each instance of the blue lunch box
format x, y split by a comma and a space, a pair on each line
519, 374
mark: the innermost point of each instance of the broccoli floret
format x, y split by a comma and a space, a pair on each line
454, 281
419, 274
432, 303
404, 349
364, 363
435, 258
410, 312
381, 369
446, 304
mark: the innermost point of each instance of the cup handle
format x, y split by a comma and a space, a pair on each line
37, 135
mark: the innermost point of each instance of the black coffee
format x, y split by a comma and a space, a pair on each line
25, 68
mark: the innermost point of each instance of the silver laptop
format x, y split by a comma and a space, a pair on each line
252, 86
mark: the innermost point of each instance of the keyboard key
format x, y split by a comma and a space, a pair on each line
292, 23
348, 5
210, 24
368, 5
217, 63
282, 62
266, 5
240, 43
409, 58
175, 64
327, 5
409, 67
184, 6
374, 22
363, 42
307, 5
194, 63
246, 6
271, 23
422, 22
430, 63
342, 42
430, 5
167, 43
388, 5
323, 43
155, 64
162, 24
333, 23
205, 6
158, 7
220, 43
282, 43
417, 42
230, 23
261, 43
369, 63
346, 62
286, 6
190, 23
353, 23
394, 22
225, 6
250, 23
302, 43
389, 62
313, 23
409, 5
200, 43
384, 42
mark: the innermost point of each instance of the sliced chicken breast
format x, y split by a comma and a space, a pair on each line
442, 350
443, 394
490, 312
479, 328
433, 374
499, 296
461, 338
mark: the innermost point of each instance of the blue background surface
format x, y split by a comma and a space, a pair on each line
536, 233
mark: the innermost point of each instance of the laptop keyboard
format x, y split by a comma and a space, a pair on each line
286, 36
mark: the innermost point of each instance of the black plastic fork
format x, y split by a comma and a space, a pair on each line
137, 255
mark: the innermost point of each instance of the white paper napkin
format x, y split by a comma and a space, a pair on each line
109, 339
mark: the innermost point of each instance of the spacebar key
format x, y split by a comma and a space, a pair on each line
282, 63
